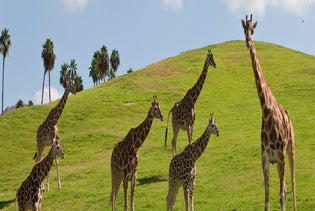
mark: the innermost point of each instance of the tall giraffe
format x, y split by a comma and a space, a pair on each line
182, 170
30, 193
124, 158
183, 112
277, 136
48, 129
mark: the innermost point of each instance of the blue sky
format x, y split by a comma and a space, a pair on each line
143, 31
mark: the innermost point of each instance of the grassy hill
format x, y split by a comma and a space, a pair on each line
229, 173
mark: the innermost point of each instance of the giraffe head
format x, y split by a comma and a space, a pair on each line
156, 109
213, 125
58, 148
210, 59
249, 27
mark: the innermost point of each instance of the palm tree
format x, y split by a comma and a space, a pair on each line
78, 83
49, 57
104, 62
130, 70
72, 69
19, 104
114, 62
99, 68
5, 44
94, 71
64, 74
69, 72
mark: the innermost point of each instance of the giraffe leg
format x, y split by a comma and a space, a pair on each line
191, 194
58, 175
133, 181
125, 184
265, 166
132, 190
283, 191
190, 132
173, 188
291, 156
47, 183
21, 201
116, 181
38, 154
175, 134
186, 190
38, 200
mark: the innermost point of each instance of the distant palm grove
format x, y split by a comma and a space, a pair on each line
102, 67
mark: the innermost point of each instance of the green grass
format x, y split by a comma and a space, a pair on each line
229, 174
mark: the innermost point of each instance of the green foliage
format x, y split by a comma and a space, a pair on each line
129, 70
19, 104
229, 173
69, 72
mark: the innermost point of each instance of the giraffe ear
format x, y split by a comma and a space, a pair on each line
243, 23
255, 24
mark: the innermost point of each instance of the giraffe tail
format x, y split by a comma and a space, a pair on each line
35, 155
166, 129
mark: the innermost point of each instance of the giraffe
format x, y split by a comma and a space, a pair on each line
277, 136
30, 193
182, 170
48, 129
124, 159
183, 112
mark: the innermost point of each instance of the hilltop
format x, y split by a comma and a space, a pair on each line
229, 173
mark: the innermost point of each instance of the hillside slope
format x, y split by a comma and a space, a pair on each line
229, 174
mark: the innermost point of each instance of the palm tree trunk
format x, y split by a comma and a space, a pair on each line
49, 86
2, 84
43, 87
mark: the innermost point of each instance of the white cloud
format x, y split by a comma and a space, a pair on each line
173, 4
258, 7
75, 5
38, 95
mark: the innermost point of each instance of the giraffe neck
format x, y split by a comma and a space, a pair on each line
56, 112
200, 144
263, 90
194, 92
42, 168
142, 131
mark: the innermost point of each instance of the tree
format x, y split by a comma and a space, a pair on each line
111, 74
100, 63
78, 83
49, 57
114, 62
104, 62
64, 74
19, 104
69, 72
94, 71
130, 70
74, 76
5, 44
